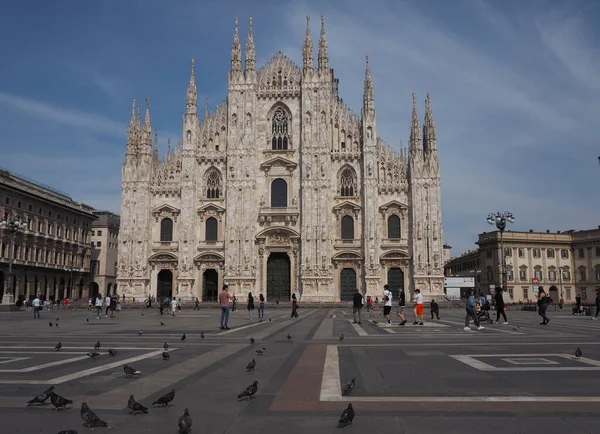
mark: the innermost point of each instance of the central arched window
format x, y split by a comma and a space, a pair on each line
393, 227
348, 182
280, 130
213, 184
166, 230
347, 228
212, 227
279, 193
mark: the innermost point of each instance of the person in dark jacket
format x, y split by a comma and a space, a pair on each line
500, 305
294, 307
261, 306
250, 305
543, 305
597, 307
435, 309
357, 304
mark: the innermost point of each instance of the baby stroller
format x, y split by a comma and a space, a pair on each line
483, 312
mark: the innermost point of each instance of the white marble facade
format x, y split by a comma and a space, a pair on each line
280, 189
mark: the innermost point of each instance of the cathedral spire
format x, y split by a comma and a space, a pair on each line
236, 50
250, 51
138, 121
415, 134
308, 57
191, 105
323, 56
205, 109
429, 139
147, 127
155, 150
368, 99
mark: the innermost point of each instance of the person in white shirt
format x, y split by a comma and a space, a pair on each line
174, 305
419, 308
36, 307
387, 303
107, 302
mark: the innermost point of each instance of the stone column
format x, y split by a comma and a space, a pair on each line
27, 289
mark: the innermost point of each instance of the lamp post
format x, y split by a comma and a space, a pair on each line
500, 220
70, 270
12, 225
560, 279
476, 287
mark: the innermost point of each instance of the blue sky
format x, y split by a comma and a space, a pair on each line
515, 90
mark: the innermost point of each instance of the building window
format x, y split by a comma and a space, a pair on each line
166, 230
279, 193
213, 184
99, 233
280, 131
525, 293
488, 253
211, 230
536, 253
507, 252
582, 275
550, 253
511, 293
49, 213
523, 274
521, 252
564, 253
597, 251
597, 272
490, 274
581, 254
18, 204
98, 244
538, 274
568, 293
7, 201
552, 275
348, 182
510, 275
347, 228
566, 275
393, 227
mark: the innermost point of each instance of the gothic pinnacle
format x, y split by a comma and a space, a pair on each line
415, 137
250, 50
323, 55
155, 150
429, 139
205, 109
308, 58
191, 100
236, 51
147, 118
368, 98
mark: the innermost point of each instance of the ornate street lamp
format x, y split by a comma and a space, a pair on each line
12, 225
500, 220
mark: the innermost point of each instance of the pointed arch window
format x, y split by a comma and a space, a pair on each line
280, 130
213, 185
348, 183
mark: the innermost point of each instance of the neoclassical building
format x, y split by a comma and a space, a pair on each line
280, 189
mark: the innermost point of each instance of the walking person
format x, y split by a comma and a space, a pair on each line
357, 304
435, 309
250, 305
401, 305
471, 313
179, 303
387, 304
149, 304
419, 309
369, 303
118, 310
224, 298
499, 299
161, 306
543, 305
261, 306
36, 307
597, 307
99, 305
234, 304
578, 304
112, 305
294, 306
107, 302
197, 304
174, 304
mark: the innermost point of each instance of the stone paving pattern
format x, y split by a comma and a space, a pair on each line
434, 378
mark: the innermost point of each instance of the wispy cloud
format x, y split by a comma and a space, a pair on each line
50, 113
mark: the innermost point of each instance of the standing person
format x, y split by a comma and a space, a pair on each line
113, 305
90, 303
174, 304
597, 306
224, 298
250, 305
357, 304
197, 304
387, 303
123, 301
401, 304
500, 305
542, 305
36, 307
471, 313
118, 310
234, 304
419, 310
277, 304
435, 309
107, 303
161, 306
179, 304
261, 306
294, 306
578, 304
369, 301
99, 305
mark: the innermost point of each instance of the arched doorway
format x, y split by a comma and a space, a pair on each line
395, 280
347, 284
94, 290
210, 283
553, 294
278, 277
164, 284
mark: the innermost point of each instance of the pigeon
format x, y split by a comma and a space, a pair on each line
578, 353
162, 323
129, 371
375, 322
341, 337
346, 417
56, 319
250, 366
68, 431
42, 397
93, 355
183, 337
166, 356
55, 324
185, 422
252, 341
165, 399
249, 391
58, 401
166, 346
259, 352
289, 337
50, 324
135, 406
141, 332
58, 346
201, 335
90, 418
87, 320
516, 328
349, 388
97, 346
112, 353
269, 319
